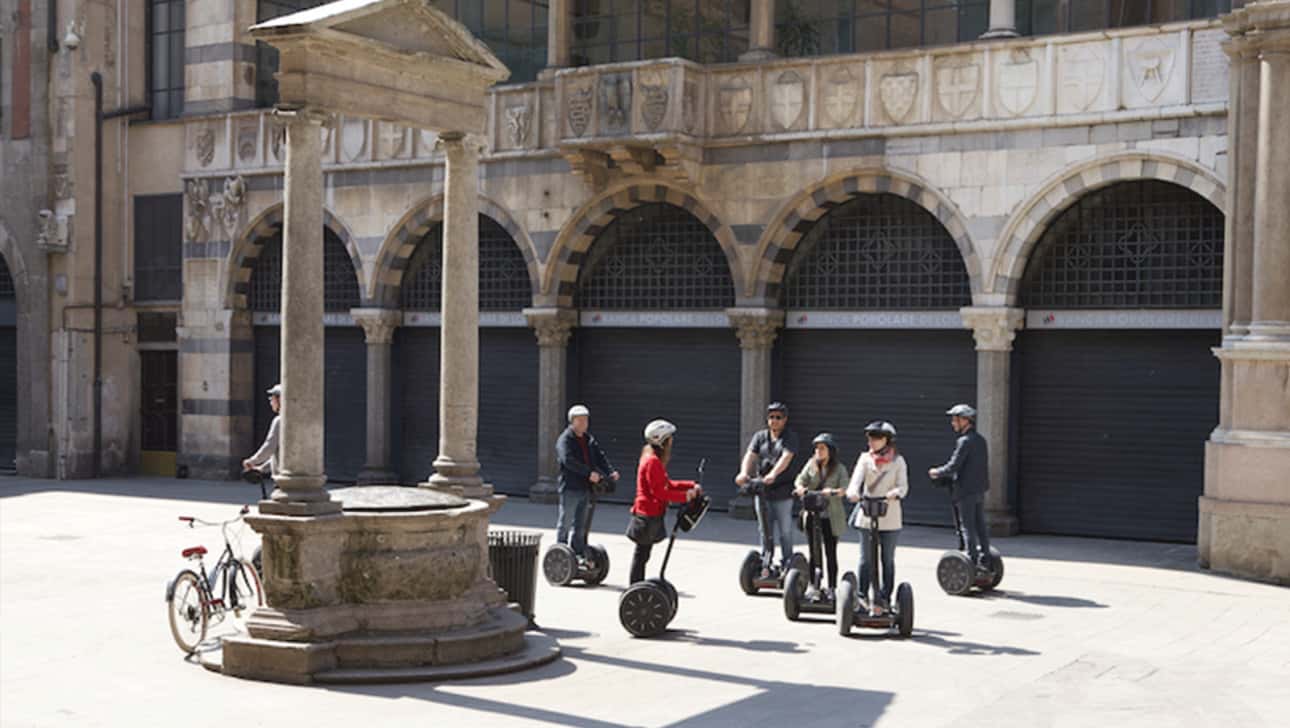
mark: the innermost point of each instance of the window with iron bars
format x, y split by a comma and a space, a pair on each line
877, 252
340, 283
504, 283
656, 257
1140, 244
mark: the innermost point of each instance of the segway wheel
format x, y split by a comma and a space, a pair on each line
794, 593
560, 565
644, 610
996, 568
601, 557
672, 597
850, 578
748, 572
845, 604
905, 605
799, 562
955, 572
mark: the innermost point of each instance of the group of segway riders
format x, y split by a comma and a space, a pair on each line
873, 490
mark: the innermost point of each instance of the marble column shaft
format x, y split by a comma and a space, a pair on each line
552, 326
756, 329
1270, 309
457, 465
1003, 19
1243, 152
559, 36
994, 330
761, 31
378, 330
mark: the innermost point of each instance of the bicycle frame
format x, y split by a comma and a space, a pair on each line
225, 566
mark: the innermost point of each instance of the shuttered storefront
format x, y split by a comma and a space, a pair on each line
506, 441
344, 389
344, 355
1111, 423
839, 381
8, 370
688, 376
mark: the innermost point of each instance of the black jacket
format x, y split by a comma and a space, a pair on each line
574, 470
969, 466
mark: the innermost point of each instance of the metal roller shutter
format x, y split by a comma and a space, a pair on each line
690, 377
8, 397
416, 390
345, 393
508, 408
1112, 431
839, 381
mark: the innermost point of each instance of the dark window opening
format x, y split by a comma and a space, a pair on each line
165, 63
340, 281
704, 31
158, 247
504, 283
1045, 17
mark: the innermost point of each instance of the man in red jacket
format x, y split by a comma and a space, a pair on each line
654, 490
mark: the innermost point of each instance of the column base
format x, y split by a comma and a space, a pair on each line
299, 495
1002, 523
377, 476
741, 507
756, 55
1245, 539
299, 508
1269, 331
466, 488
545, 490
995, 33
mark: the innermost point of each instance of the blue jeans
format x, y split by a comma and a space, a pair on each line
571, 524
886, 558
775, 519
976, 531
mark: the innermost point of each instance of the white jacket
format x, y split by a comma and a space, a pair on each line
890, 479
268, 452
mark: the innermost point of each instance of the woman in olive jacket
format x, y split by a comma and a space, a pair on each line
823, 472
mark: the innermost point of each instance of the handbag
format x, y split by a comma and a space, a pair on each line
646, 529
857, 519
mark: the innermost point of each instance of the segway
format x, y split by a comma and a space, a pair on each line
956, 572
647, 607
257, 477
804, 589
863, 610
750, 578
561, 565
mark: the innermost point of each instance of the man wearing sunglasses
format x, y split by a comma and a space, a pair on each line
765, 469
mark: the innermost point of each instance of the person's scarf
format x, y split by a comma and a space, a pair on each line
883, 456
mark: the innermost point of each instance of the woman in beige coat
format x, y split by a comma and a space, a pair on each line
880, 472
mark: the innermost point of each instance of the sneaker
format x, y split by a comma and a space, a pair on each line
765, 573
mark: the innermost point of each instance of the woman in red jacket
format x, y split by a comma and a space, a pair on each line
654, 490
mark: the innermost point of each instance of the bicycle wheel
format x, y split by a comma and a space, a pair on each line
244, 590
186, 604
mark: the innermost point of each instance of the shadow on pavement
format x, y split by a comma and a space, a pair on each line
939, 639
1043, 600
689, 635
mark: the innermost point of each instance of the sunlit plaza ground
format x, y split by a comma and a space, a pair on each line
1083, 632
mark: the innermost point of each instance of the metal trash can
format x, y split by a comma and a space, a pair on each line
513, 563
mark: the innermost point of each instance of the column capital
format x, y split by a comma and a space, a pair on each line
460, 144
304, 115
994, 328
378, 323
756, 327
553, 326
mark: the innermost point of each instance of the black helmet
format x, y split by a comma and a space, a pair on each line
827, 439
879, 427
777, 407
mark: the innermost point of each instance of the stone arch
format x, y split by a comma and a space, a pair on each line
17, 268
399, 245
575, 240
248, 246
800, 214
1028, 224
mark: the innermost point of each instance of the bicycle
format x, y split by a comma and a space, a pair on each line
191, 595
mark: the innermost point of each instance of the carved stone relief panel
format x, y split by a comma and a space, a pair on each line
958, 82
733, 103
786, 99
517, 123
839, 89
1082, 77
896, 92
691, 107
392, 141
206, 145
579, 104
353, 139
654, 86
1209, 79
426, 141
1151, 73
246, 141
615, 110
1017, 81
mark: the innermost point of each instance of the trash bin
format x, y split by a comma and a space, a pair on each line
513, 561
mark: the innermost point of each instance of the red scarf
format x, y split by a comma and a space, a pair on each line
883, 456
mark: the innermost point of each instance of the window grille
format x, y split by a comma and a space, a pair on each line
705, 31
6, 282
503, 276
340, 284
1141, 244
165, 64
877, 252
656, 257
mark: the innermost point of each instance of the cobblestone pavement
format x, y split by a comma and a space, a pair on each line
1083, 632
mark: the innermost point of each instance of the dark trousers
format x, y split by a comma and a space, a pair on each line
639, 559
829, 547
976, 531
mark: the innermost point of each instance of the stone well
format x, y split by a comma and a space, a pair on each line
396, 587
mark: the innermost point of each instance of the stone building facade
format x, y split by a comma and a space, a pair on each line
1035, 224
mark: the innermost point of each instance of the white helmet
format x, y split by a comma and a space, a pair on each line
657, 432
578, 410
275, 390
962, 410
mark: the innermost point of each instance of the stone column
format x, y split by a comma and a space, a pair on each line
559, 35
300, 451
1243, 151
457, 466
994, 330
1003, 19
378, 330
756, 329
1270, 307
552, 327
761, 31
